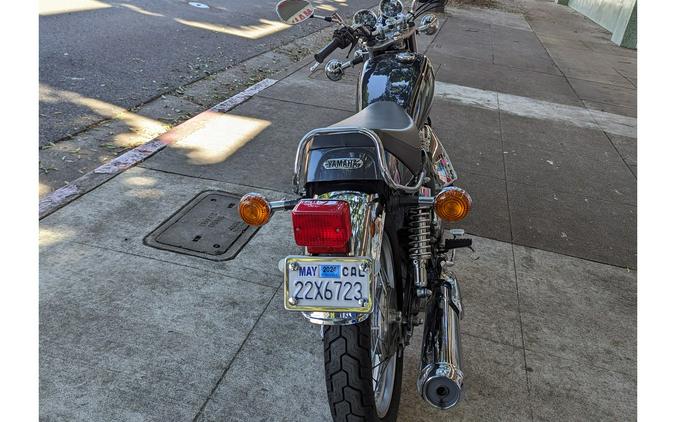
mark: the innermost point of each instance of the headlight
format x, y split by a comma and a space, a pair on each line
365, 18
391, 8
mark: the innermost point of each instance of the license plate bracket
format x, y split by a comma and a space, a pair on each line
328, 284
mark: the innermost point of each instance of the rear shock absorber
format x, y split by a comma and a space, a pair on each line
419, 246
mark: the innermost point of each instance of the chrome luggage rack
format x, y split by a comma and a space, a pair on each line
300, 173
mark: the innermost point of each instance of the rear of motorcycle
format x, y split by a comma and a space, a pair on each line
369, 249
349, 279
375, 261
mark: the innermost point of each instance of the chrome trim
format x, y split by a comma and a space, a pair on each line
441, 360
428, 24
440, 161
367, 230
395, 38
300, 174
283, 204
334, 70
419, 245
366, 307
335, 318
426, 201
455, 295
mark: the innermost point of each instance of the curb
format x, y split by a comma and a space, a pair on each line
93, 179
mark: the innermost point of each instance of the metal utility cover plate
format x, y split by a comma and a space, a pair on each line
208, 227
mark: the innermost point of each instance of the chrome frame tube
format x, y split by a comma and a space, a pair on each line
409, 32
300, 174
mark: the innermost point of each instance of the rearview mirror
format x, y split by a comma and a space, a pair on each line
428, 24
294, 11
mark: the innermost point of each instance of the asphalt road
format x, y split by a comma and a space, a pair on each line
99, 56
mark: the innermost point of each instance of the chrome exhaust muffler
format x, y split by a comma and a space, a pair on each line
441, 378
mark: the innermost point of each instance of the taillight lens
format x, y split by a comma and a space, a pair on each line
322, 226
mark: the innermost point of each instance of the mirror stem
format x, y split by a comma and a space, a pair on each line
325, 18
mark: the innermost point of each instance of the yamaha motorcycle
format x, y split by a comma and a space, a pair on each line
374, 213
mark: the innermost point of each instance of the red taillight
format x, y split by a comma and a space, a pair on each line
322, 226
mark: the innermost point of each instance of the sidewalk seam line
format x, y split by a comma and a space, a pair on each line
515, 272
584, 104
532, 185
625, 77
520, 69
584, 100
107, 248
580, 362
589, 108
621, 156
547, 353
522, 245
492, 341
539, 352
234, 357
305, 104
215, 180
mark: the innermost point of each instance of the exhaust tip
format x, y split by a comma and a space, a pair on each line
441, 385
442, 392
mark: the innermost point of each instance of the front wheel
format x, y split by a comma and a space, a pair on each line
364, 362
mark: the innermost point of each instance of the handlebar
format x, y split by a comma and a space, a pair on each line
357, 60
346, 35
327, 50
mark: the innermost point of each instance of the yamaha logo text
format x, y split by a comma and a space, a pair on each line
343, 164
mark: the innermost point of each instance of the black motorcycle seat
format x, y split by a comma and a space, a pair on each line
391, 123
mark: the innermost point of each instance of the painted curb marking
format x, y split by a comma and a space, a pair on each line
82, 185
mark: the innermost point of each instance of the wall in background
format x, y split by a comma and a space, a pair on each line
617, 16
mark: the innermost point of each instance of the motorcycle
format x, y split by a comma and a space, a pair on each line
376, 201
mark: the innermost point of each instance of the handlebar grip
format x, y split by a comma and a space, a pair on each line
325, 52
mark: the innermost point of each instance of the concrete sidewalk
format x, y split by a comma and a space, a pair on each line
537, 110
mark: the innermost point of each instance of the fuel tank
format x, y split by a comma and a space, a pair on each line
405, 78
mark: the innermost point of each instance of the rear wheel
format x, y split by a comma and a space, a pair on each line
364, 362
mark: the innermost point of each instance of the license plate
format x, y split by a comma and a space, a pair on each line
322, 284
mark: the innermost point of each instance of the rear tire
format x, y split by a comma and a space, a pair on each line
349, 381
348, 363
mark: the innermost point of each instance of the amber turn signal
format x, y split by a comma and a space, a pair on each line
254, 209
452, 204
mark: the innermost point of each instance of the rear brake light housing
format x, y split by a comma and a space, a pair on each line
322, 226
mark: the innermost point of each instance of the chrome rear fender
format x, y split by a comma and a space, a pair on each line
367, 219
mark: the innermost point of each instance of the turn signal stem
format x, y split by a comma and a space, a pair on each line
283, 205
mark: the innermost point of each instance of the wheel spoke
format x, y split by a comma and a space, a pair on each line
383, 369
382, 362
380, 371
